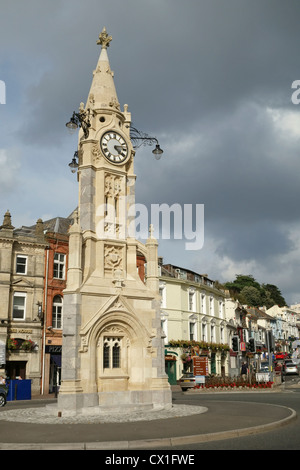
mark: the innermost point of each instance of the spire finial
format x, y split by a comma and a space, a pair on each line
104, 39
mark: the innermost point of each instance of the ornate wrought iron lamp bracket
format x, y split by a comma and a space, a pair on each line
139, 138
81, 119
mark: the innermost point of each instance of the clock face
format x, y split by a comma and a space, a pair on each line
114, 147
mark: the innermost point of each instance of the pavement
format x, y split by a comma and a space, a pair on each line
24, 427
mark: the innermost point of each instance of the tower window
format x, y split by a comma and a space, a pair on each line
106, 356
116, 356
112, 353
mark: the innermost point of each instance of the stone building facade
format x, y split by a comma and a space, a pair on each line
193, 321
55, 275
22, 254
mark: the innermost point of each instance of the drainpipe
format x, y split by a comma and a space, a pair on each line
45, 318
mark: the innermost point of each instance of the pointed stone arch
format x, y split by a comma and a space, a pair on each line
115, 325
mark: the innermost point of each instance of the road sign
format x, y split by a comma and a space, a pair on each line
200, 364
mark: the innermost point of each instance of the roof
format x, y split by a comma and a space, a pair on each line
255, 312
58, 225
172, 271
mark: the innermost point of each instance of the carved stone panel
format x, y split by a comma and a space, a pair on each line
113, 258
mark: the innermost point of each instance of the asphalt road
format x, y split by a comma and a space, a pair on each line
226, 411
284, 439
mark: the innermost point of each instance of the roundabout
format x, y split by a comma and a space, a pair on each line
32, 427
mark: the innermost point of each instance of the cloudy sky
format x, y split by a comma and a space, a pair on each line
211, 79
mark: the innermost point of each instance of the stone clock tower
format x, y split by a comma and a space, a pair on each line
113, 351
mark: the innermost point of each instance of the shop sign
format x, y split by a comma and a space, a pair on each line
20, 330
53, 349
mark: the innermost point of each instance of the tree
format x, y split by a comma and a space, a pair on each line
248, 291
251, 296
267, 299
275, 294
242, 281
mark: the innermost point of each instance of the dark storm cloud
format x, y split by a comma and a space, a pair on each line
253, 241
204, 76
204, 58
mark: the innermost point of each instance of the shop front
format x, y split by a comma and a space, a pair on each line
23, 361
170, 367
53, 368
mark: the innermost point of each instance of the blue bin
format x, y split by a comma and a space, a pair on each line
19, 390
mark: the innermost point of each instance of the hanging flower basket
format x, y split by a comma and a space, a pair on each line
205, 352
20, 345
27, 345
12, 344
185, 358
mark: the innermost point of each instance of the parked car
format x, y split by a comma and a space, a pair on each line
3, 394
264, 367
281, 355
290, 368
188, 380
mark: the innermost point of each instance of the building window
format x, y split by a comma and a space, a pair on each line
192, 331
59, 266
112, 353
212, 333
211, 306
192, 303
193, 328
57, 312
106, 356
116, 356
203, 304
21, 264
19, 306
221, 309
164, 326
222, 334
204, 332
162, 293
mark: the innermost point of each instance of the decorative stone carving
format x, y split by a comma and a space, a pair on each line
96, 152
114, 330
114, 104
113, 185
104, 39
113, 257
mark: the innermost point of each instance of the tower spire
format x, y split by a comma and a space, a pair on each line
103, 92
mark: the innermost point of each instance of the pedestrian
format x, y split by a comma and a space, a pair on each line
244, 370
2, 380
